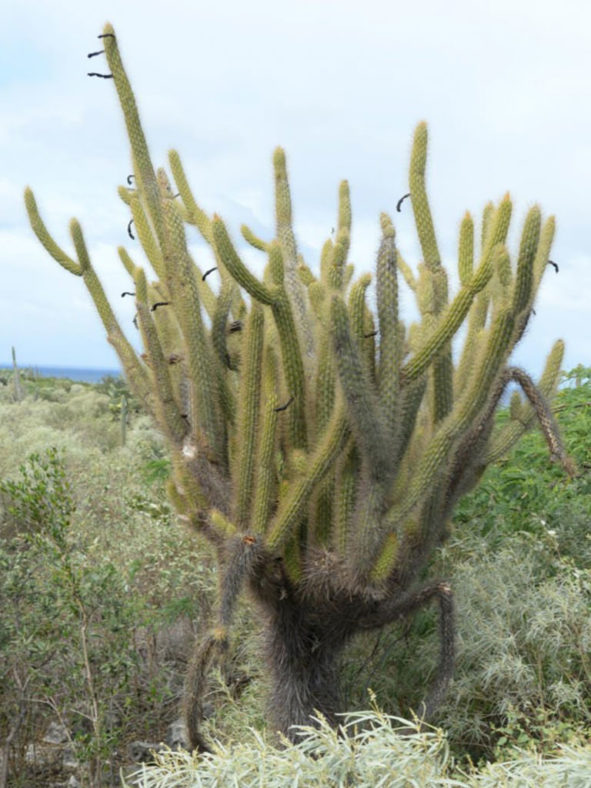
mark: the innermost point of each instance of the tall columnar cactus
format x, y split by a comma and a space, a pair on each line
319, 447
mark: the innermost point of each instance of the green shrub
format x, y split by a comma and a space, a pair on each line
83, 617
67, 627
524, 493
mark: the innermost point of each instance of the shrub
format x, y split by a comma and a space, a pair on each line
369, 750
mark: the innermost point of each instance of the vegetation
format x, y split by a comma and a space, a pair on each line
321, 450
317, 453
369, 749
91, 560
100, 592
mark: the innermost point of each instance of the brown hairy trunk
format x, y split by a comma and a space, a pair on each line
303, 653
306, 629
305, 637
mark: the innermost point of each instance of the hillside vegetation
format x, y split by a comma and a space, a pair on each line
102, 594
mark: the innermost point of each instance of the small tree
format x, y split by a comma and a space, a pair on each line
320, 448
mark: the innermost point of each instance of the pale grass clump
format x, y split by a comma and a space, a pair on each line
35, 437
83, 414
571, 769
82, 428
369, 750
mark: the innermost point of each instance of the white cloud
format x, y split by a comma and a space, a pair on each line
570, 289
340, 85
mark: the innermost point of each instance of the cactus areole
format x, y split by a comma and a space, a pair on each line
319, 446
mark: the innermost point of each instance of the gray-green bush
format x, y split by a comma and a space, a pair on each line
370, 750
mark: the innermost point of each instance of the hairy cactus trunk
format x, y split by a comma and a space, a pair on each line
303, 654
307, 627
305, 636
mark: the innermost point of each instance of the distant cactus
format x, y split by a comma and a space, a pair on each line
16, 376
321, 448
123, 419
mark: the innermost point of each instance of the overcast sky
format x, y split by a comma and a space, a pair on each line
505, 87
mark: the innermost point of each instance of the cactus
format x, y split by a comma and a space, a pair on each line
319, 448
18, 388
123, 419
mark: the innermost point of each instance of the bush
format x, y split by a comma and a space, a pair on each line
370, 750
366, 752
523, 676
90, 561
67, 630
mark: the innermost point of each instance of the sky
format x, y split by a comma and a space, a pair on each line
504, 86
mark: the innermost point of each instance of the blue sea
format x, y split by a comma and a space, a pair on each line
73, 373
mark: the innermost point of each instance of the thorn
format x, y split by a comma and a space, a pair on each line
94, 54
207, 273
399, 203
102, 76
551, 262
126, 292
371, 334
130, 178
159, 303
135, 320
286, 406
235, 326
106, 35
131, 235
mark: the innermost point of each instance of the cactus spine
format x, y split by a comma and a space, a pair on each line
321, 452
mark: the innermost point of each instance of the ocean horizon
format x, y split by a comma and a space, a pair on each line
77, 374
